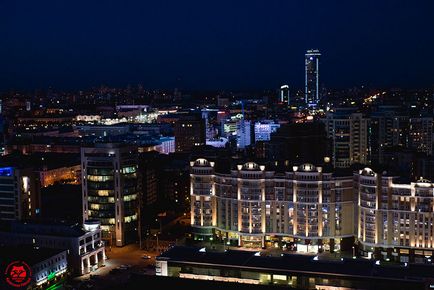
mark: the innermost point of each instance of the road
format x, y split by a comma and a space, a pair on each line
129, 255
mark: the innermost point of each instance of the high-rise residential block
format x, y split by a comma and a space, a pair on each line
189, 132
348, 132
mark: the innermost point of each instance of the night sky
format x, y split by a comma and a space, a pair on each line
204, 44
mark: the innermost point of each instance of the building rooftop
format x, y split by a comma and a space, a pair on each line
54, 228
295, 263
29, 254
40, 161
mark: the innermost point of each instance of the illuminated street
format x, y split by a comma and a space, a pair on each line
130, 256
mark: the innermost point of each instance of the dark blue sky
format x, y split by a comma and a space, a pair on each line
207, 44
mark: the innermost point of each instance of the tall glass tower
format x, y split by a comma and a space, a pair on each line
311, 91
284, 94
110, 190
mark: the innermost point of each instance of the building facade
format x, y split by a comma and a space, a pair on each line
306, 209
348, 132
48, 266
286, 271
263, 130
19, 194
244, 137
309, 210
284, 95
189, 132
110, 193
49, 176
85, 249
394, 220
421, 134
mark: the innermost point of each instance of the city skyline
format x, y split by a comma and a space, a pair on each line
213, 46
203, 144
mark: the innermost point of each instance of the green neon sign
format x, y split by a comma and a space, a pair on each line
51, 276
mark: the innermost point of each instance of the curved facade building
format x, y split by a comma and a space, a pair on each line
395, 221
305, 209
110, 191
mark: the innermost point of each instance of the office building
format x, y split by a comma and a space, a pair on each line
173, 177
284, 95
166, 145
305, 209
19, 193
210, 118
217, 142
385, 132
348, 132
421, 134
47, 266
110, 194
263, 130
189, 132
229, 128
85, 249
311, 90
244, 137
298, 143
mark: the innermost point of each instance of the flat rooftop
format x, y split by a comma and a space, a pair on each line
52, 228
295, 263
29, 254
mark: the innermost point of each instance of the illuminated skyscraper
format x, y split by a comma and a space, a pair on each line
109, 183
311, 90
284, 94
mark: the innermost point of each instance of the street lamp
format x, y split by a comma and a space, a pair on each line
156, 235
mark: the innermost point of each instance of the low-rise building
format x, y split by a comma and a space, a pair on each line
83, 243
42, 267
289, 270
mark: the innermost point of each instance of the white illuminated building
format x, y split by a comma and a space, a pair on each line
284, 94
312, 58
166, 146
253, 207
217, 143
313, 210
244, 138
263, 130
82, 243
394, 219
